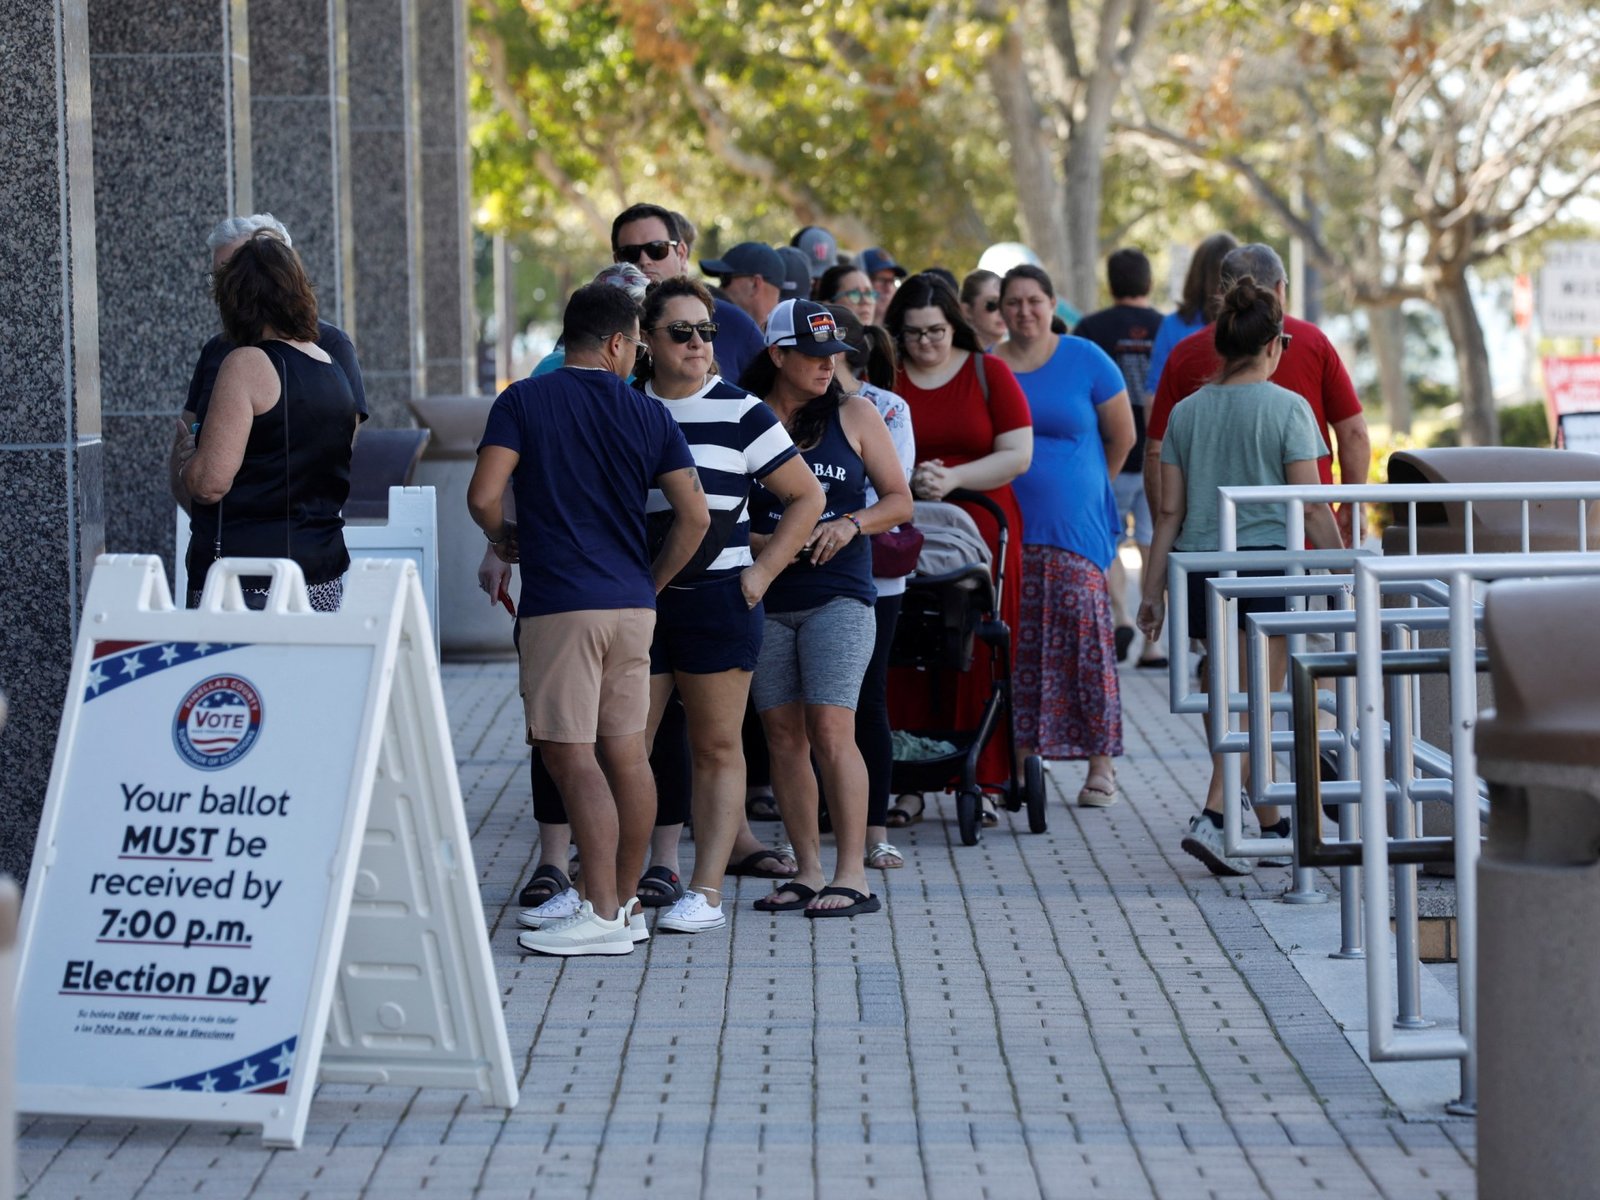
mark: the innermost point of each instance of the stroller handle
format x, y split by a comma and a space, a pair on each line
968, 496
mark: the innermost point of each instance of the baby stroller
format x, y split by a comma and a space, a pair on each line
951, 602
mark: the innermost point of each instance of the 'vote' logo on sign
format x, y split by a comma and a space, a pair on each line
217, 722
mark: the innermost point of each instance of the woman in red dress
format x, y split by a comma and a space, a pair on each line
970, 434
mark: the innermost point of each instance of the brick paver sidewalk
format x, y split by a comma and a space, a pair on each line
1079, 1014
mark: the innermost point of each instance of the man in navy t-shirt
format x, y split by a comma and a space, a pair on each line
650, 237
581, 451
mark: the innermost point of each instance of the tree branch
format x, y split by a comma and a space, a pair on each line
509, 101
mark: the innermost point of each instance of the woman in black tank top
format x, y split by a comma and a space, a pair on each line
271, 467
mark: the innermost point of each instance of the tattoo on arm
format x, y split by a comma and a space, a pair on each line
694, 478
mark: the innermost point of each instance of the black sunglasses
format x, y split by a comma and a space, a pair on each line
656, 250
991, 305
682, 331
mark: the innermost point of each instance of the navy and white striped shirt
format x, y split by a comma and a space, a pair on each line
734, 438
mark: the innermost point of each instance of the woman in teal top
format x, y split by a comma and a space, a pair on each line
1067, 700
1240, 431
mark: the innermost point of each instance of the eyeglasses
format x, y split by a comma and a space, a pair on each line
656, 250
1284, 339
856, 295
933, 333
683, 331
991, 305
638, 346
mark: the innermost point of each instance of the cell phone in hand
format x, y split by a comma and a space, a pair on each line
505, 598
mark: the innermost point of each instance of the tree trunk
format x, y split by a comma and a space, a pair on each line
1032, 164
1085, 154
1386, 328
1480, 424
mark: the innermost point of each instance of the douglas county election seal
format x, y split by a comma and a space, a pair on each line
217, 722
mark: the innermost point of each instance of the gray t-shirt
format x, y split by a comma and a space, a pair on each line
1237, 435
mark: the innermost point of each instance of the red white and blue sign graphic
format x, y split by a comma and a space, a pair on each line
117, 664
264, 1071
217, 722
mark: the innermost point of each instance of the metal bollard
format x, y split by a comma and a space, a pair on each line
1538, 987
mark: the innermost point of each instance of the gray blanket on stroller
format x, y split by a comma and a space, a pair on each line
950, 539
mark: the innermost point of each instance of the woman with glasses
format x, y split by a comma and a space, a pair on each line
1241, 431
974, 431
980, 304
848, 285
710, 620
1068, 702
820, 620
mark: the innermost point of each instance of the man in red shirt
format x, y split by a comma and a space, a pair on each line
1310, 366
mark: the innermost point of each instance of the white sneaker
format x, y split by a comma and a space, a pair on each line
692, 914
637, 929
1204, 841
585, 932
558, 908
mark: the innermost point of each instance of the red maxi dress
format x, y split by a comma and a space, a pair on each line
954, 423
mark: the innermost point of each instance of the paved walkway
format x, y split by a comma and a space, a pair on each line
1083, 1013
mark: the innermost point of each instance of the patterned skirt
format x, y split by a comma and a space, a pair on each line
1067, 699
324, 597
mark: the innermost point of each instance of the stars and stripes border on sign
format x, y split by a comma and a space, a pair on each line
117, 663
264, 1072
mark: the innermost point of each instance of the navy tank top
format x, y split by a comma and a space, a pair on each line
843, 477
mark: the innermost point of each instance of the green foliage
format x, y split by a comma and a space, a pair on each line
1525, 425
752, 117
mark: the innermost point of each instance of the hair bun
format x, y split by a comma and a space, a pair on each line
1243, 296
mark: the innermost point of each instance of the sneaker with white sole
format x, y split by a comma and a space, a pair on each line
1204, 841
692, 914
585, 932
558, 908
637, 929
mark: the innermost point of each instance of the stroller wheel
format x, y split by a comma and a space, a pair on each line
969, 809
1033, 789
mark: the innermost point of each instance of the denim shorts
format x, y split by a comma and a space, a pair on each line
818, 655
706, 629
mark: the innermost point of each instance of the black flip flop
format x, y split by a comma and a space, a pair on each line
762, 807
659, 887
1152, 664
545, 883
805, 896
746, 867
1124, 639
899, 816
860, 903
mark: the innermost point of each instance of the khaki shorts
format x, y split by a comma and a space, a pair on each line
586, 674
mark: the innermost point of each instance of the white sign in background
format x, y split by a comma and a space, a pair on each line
226, 783
1569, 290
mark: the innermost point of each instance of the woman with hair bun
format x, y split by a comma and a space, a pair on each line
1240, 431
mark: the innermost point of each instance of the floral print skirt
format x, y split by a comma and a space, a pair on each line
1068, 704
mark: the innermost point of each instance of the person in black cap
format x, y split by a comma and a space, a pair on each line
819, 246
798, 284
752, 276
820, 619
885, 274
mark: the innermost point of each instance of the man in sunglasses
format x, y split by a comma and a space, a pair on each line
651, 238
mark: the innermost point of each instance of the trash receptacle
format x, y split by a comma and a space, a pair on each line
1496, 529
1496, 525
382, 459
1538, 985
469, 626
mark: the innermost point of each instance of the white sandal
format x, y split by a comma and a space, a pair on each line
877, 854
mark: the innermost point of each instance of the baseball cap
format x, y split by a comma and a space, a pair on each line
748, 258
798, 285
819, 246
874, 260
806, 326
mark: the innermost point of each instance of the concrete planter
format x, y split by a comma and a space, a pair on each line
470, 627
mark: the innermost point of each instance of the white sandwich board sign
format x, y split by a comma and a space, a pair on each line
253, 869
